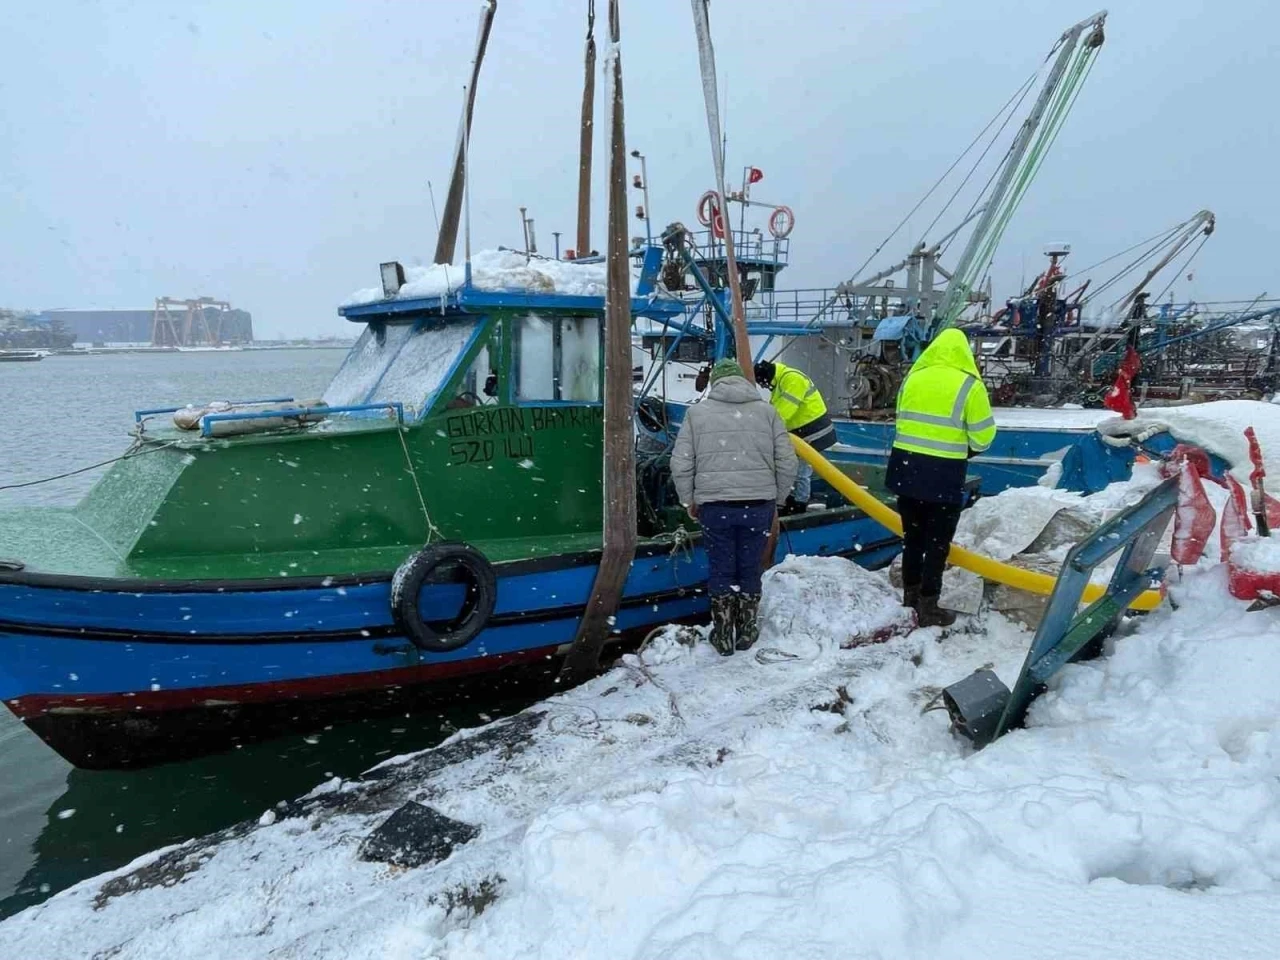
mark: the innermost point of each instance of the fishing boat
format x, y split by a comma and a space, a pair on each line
855, 340
436, 514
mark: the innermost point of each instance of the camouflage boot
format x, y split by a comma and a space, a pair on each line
747, 620
722, 623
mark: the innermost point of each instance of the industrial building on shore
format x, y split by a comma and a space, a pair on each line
170, 323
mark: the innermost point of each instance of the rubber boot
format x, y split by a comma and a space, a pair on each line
929, 614
723, 610
911, 596
747, 620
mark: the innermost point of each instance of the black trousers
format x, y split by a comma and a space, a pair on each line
927, 529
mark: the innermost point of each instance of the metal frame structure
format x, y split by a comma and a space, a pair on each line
984, 709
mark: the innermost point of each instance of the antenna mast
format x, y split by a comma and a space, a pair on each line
447, 240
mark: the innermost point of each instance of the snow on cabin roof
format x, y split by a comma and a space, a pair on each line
496, 270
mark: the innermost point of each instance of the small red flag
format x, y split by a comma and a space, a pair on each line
755, 176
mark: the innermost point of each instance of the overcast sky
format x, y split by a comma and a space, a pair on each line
273, 153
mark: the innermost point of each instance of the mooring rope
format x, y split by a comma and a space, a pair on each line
413, 473
129, 454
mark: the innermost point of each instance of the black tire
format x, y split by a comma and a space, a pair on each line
482, 592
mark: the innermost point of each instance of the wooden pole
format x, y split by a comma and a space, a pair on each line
619, 492
711, 96
447, 240
587, 135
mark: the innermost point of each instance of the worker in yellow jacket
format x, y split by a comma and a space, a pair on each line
804, 413
943, 418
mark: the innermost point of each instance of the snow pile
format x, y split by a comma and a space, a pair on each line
1219, 428
497, 270
823, 597
794, 802
1259, 554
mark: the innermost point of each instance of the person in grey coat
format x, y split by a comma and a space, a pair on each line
732, 464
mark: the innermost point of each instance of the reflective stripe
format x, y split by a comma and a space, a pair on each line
930, 418
813, 388
957, 408
983, 424
824, 432
978, 447
786, 396
961, 449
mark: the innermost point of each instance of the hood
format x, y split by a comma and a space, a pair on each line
950, 348
733, 389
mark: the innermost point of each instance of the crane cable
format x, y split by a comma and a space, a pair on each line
1063, 99
1018, 95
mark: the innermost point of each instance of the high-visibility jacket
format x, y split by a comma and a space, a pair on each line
943, 408
801, 407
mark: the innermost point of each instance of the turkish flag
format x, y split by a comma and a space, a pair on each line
755, 175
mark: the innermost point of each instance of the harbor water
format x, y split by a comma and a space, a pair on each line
59, 825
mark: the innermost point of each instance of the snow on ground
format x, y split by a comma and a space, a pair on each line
794, 802
497, 270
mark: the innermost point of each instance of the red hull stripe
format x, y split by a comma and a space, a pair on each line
307, 688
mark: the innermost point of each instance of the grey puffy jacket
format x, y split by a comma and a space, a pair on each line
732, 446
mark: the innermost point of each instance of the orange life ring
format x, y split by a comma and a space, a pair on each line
708, 204
781, 222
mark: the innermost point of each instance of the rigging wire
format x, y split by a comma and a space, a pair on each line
1116, 256
1130, 267
1010, 107
1176, 274
1063, 100
1022, 95
1018, 95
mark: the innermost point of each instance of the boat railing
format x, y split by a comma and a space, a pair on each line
748, 247
140, 415
297, 413
812, 308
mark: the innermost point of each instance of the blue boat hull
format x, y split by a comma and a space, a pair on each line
126, 673
1019, 456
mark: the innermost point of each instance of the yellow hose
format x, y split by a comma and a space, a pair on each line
984, 567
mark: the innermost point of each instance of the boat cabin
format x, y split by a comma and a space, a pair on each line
475, 416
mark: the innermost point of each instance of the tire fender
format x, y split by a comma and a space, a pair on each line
436, 635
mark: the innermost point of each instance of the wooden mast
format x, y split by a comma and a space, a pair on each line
447, 240
587, 136
711, 96
619, 492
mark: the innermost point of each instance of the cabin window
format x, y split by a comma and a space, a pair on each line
479, 384
365, 363
424, 363
558, 359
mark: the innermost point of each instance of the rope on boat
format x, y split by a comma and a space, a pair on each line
129, 454
413, 473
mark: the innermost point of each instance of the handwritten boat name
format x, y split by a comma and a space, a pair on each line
478, 436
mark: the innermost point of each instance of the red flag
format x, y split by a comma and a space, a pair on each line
1118, 398
755, 175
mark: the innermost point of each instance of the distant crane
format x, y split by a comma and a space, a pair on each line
188, 323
